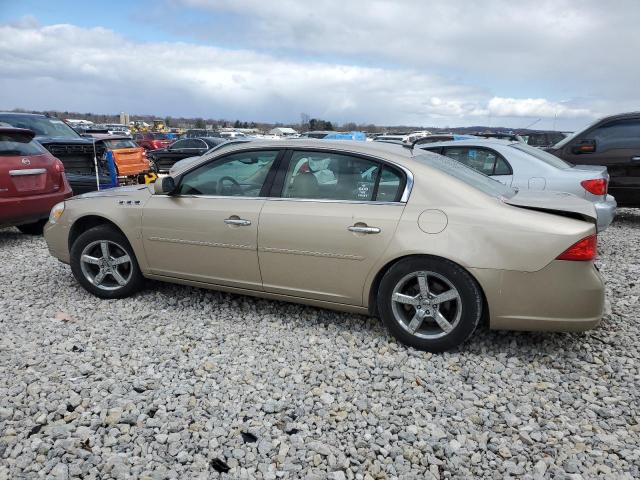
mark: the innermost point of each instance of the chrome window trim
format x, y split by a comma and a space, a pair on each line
282, 199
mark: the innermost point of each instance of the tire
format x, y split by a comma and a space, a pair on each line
425, 318
116, 275
34, 228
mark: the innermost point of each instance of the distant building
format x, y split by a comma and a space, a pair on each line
124, 118
283, 132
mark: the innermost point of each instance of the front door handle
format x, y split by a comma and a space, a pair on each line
363, 229
635, 159
234, 220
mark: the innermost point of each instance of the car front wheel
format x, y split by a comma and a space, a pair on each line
104, 263
429, 303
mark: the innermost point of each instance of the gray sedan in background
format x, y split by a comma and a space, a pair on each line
524, 167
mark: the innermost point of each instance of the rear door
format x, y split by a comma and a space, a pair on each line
335, 215
615, 145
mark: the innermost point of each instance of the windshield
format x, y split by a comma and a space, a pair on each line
42, 126
466, 174
120, 143
542, 155
18, 144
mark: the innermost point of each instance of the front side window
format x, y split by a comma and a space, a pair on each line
238, 175
177, 145
483, 160
332, 176
616, 135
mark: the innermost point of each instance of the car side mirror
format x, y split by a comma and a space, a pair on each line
164, 186
584, 146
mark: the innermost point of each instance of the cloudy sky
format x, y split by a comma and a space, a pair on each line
438, 63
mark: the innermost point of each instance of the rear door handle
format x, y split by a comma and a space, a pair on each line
635, 159
363, 229
241, 222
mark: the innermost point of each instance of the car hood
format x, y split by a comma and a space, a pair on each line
554, 202
128, 191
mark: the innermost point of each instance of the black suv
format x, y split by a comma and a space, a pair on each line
615, 143
74, 151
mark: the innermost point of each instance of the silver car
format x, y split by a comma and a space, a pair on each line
524, 167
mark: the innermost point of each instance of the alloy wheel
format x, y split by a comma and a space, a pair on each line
106, 265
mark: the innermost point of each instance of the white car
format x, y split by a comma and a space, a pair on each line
528, 168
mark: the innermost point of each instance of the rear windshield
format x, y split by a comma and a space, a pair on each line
542, 155
120, 143
18, 144
42, 126
466, 174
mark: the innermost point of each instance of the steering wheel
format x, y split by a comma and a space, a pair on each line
235, 186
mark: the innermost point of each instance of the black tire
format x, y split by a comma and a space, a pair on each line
129, 270
447, 276
34, 228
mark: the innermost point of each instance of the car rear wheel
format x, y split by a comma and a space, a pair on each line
103, 262
429, 303
34, 228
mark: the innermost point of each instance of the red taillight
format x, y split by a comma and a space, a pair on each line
582, 251
58, 166
597, 186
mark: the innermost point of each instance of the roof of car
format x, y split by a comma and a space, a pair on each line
620, 116
469, 142
21, 114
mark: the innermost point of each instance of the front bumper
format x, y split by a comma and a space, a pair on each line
606, 211
563, 296
57, 238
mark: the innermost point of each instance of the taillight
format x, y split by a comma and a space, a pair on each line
582, 251
597, 186
58, 166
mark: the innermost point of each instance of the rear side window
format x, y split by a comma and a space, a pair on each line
542, 155
333, 176
18, 144
483, 160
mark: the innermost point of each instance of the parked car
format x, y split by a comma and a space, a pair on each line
512, 137
319, 134
164, 159
399, 139
428, 244
198, 132
180, 164
528, 168
614, 142
542, 139
442, 137
152, 140
130, 161
78, 154
31, 181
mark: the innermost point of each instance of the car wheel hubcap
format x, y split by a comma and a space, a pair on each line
426, 304
106, 265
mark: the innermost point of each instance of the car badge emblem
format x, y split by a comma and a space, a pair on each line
26, 161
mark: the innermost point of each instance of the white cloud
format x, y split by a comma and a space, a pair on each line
95, 69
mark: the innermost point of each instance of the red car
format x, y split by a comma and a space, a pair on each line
152, 140
31, 181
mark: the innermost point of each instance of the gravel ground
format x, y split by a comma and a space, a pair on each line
179, 382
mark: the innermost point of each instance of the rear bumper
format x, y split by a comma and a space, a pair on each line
21, 210
606, 211
563, 296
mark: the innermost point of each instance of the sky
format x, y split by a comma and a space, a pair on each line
550, 64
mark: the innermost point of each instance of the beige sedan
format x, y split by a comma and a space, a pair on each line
422, 241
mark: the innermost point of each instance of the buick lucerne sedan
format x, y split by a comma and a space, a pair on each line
420, 240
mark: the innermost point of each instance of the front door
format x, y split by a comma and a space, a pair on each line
334, 220
615, 145
207, 230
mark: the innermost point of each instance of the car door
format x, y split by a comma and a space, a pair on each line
206, 230
484, 160
333, 218
615, 145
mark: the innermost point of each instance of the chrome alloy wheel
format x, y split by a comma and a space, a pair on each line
426, 304
106, 265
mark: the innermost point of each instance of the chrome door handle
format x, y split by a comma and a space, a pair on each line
635, 159
237, 221
363, 229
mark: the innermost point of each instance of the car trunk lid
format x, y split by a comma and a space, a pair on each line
558, 203
23, 176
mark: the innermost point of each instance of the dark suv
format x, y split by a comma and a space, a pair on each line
75, 152
615, 143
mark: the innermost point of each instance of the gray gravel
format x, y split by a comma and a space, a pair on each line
182, 383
